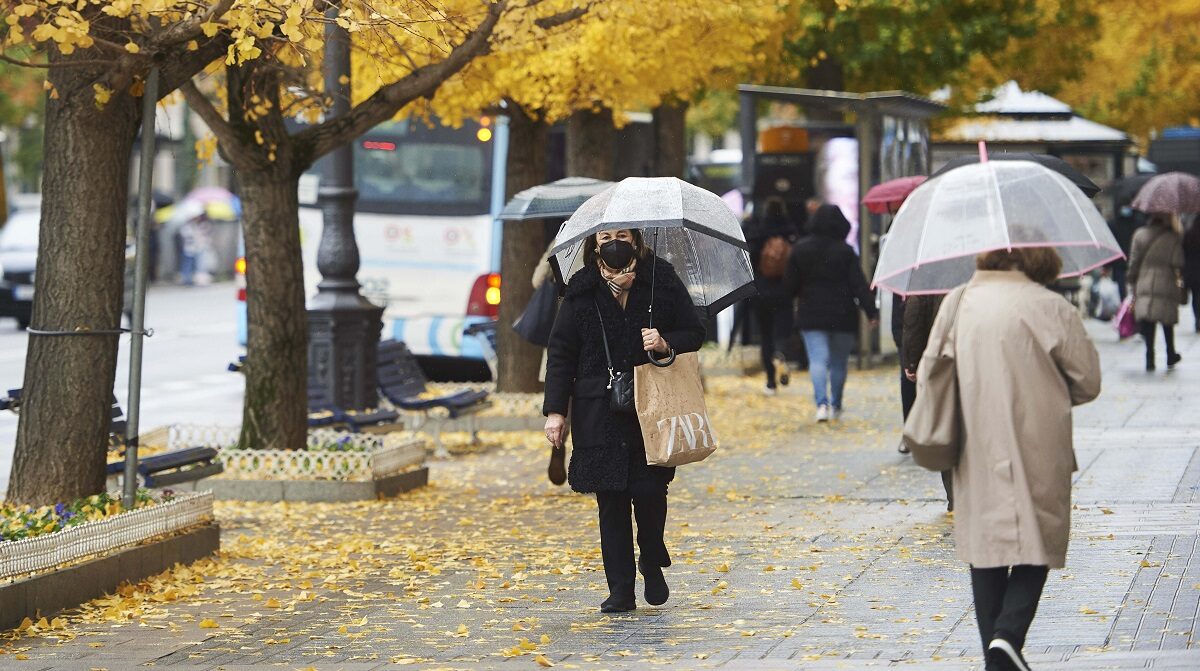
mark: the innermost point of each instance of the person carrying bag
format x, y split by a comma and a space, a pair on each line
600, 342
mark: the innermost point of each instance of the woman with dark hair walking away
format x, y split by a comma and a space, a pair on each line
1022, 361
770, 244
1155, 267
601, 333
824, 273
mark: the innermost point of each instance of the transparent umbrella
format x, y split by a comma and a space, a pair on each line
949, 220
688, 226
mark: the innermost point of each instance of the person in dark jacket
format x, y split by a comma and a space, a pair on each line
609, 300
773, 305
1191, 266
825, 274
919, 315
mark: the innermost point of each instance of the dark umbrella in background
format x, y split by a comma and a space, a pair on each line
1124, 190
1054, 163
558, 199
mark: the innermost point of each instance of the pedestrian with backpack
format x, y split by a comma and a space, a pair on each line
771, 243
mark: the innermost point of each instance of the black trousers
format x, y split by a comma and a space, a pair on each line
1006, 601
1147, 331
908, 393
908, 396
648, 501
774, 326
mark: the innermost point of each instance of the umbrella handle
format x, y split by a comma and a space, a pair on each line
664, 362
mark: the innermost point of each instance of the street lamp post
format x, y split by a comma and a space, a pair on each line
343, 327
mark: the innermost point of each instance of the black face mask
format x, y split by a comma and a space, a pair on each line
617, 254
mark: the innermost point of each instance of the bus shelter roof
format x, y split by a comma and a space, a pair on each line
896, 103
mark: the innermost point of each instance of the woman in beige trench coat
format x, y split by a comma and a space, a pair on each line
1155, 270
1023, 360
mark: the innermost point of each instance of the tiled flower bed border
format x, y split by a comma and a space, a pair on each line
337, 466
31, 555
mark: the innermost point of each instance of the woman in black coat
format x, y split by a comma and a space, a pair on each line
609, 457
826, 276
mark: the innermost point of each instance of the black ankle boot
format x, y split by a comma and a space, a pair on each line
657, 591
1172, 359
614, 604
1149, 362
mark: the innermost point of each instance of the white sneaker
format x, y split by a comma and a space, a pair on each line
769, 391
835, 414
822, 413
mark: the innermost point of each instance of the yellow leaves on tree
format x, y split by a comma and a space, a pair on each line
623, 54
1144, 73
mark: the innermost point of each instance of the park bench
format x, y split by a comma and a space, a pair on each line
160, 470
404, 385
174, 467
323, 414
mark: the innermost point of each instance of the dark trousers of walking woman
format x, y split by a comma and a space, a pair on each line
1147, 330
647, 500
1006, 599
774, 327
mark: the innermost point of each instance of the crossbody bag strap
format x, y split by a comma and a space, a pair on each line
604, 339
952, 331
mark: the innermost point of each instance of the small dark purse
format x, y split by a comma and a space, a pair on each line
620, 384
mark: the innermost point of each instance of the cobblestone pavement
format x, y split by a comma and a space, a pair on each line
797, 546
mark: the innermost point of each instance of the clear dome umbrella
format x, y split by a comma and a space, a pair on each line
949, 220
688, 226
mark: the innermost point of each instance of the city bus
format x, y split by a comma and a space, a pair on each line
427, 229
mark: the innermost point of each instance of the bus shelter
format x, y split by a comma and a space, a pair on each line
836, 147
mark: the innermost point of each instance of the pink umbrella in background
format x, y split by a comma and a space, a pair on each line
887, 197
1171, 192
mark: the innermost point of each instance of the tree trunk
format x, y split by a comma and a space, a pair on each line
591, 145
64, 423
275, 412
519, 362
670, 139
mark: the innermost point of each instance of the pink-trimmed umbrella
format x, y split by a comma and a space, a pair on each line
949, 220
1172, 192
887, 197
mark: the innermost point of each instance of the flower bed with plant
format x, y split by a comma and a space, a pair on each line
19, 522
36, 539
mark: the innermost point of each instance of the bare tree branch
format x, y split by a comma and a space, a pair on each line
231, 144
184, 31
562, 18
179, 69
385, 102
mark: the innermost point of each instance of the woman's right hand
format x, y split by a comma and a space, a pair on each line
556, 428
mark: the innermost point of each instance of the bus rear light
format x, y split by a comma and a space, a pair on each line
485, 297
241, 294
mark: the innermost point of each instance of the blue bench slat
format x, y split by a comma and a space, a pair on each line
167, 460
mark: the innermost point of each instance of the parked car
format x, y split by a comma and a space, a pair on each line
18, 258
18, 261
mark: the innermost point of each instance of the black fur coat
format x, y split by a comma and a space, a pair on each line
607, 449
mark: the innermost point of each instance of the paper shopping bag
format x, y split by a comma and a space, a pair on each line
671, 411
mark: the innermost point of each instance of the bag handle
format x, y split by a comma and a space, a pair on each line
654, 276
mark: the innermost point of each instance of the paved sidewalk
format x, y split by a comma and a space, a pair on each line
796, 547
